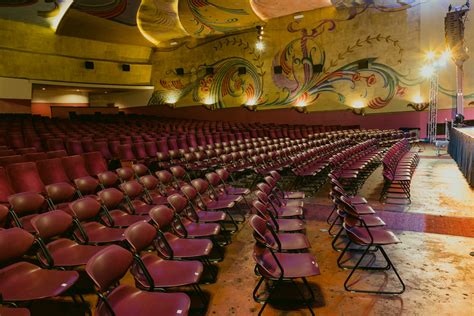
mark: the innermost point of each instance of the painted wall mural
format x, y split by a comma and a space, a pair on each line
330, 60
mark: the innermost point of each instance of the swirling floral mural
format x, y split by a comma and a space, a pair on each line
322, 66
224, 83
307, 72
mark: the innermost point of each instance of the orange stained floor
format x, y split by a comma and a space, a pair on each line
434, 260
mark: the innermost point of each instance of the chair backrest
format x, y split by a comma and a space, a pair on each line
264, 187
8, 160
223, 174
55, 144
108, 266
125, 152
262, 232
52, 171
213, 178
133, 189
56, 154
200, 185
75, 167
177, 202
140, 235
139, 150
85, 208
149, 182
111, 197
74, 147
86, 185
189, 191
95, 163
125, 173
103, 148
24, 177
35, 156
108, 179
140, 169
51, 224
60, 192
162, 216
5, 187
14, 243
178, 172
88, 145
164, 176
26, 202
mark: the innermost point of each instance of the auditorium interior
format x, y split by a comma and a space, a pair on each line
244, 157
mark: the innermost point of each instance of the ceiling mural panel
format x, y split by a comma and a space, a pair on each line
122, 11
206, 17
159, 22
47, 13
269, 9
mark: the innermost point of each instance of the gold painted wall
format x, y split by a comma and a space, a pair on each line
34, 52
392, 37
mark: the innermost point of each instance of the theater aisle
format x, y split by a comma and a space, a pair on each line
434, 257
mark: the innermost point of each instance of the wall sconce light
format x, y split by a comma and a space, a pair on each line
301, 109
210, 107
358, 107
418, 104
358, 111
250, 107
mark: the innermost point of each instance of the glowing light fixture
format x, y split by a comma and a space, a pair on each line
359, 104
417, 99
427, 71
259, 45
430, 55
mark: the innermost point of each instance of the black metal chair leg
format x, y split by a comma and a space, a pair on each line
302, 296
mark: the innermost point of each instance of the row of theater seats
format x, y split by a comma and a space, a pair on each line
399, 165
38, 132
281, 252
360, 230
104, 221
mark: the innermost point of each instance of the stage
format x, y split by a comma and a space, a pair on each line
461, 148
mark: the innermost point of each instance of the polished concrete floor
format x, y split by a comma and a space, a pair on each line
434, 259
437, 267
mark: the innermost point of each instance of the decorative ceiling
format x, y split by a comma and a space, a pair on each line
162, 23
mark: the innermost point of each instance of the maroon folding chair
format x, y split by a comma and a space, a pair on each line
371, 240
283, 267
23, 281
89, 231
55, 251
106, 269
95, 163
280, 211
279, 224
136, 196
113, 204
170, 246
281, 242
187, 228
153, 273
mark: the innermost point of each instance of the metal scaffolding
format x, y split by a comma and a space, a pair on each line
433, 109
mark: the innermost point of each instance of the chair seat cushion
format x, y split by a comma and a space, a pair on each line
189, 248
127, 300
24, 281
169, 273
66, 252
99, 233
290, 225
